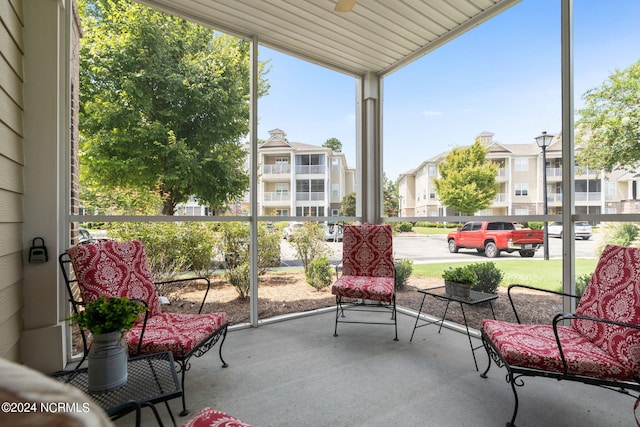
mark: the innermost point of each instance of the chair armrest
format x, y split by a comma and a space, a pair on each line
573, 316
517, 285
189, 279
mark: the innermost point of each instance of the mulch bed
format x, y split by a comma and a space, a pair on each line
285, 293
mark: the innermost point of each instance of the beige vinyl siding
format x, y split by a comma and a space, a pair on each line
11, 176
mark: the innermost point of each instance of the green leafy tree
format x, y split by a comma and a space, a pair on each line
164, 104
468, 180
390, 197
334, 144
608, 130
349, 205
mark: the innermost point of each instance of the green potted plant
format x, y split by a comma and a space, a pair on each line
108, 319
458, 281
489, 277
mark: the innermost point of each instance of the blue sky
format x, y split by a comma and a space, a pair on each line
502, 77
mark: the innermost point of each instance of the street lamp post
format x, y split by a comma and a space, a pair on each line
543, 142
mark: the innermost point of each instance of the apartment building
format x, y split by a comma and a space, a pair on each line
295, 179
298, 179
521, 184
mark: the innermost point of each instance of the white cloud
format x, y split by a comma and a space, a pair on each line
432, 113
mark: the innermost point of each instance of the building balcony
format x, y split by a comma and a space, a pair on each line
592, 197
310, 196
501, 199
276, 172
276, 196
554, 174
310, 169
503, 174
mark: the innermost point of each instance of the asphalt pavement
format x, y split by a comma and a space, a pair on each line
433, 248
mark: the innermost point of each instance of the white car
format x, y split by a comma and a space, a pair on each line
328, 234
583, 229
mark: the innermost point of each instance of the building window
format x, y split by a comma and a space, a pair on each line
310, 211
521, 211
610, 188
521, 164
282, 161
335, 190
433, 171
522, 190
282, 188
432, 195
335, 164
335, 212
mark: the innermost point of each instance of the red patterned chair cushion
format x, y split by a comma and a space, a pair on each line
174, 332
367, 250
614, 294
209, 417
121, 269
115, 269
535, 346
373, 288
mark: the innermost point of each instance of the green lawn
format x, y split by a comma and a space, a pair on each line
539, 273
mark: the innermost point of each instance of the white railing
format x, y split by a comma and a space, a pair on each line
500, 198
310, 169
554, 197
503, 172
276, 169
591, 196
276, 196
554, 172
310, 195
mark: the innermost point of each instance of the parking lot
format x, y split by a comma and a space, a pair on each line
433, 248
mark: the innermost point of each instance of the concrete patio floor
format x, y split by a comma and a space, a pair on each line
295, 373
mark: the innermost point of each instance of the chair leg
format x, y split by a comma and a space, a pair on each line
224, 337
488, 350
395, 317
335, 331
512, 381
183, 369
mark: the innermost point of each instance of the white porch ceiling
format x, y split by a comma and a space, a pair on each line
378, 36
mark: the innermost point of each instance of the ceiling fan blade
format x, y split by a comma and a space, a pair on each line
345, 5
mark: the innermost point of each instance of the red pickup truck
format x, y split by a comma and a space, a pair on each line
492, 237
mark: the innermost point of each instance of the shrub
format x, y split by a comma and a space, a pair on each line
319, 273
406, 227
171, 248
489, 276
239, 278
581, 283
233, 245
308, 242
404, 268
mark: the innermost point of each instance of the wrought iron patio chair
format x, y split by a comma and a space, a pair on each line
601, 344
120, 269
367, 282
